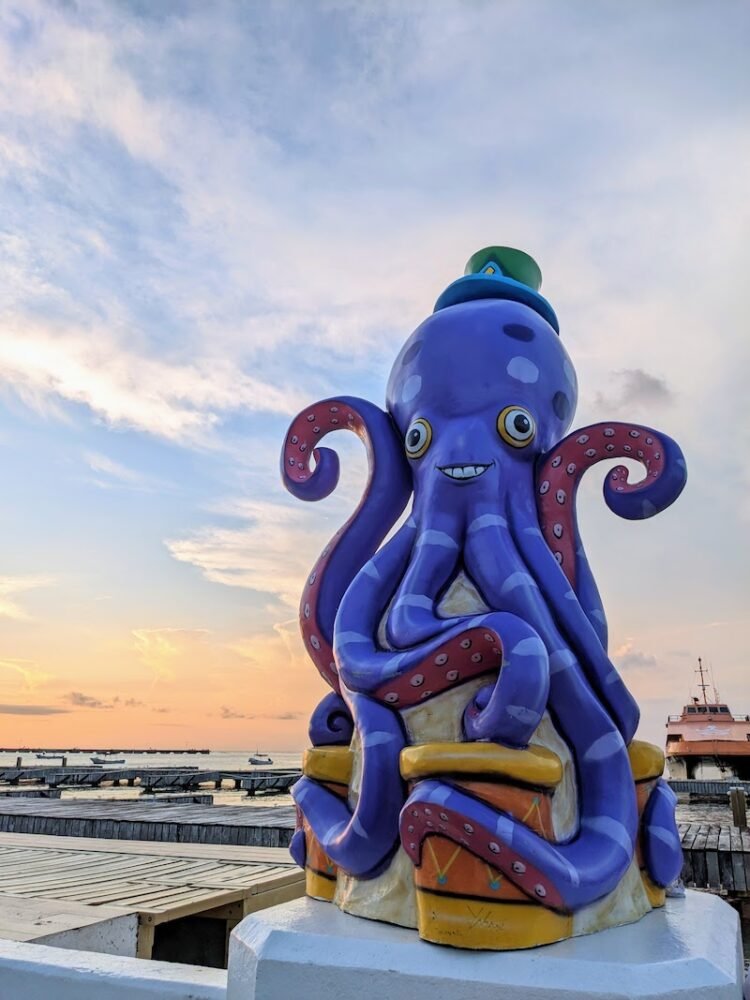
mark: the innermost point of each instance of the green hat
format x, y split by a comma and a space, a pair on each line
500, 273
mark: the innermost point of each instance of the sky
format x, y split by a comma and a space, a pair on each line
215, 214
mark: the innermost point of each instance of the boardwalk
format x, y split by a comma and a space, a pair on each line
133, 820
694, 787
161, 883
65, 924
150, 778
716, 857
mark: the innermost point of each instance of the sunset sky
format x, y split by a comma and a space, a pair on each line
215, 213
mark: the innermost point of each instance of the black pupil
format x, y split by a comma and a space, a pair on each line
522, 423
413, 438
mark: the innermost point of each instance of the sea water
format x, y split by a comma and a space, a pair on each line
216, 760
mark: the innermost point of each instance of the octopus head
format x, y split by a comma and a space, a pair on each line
478, 391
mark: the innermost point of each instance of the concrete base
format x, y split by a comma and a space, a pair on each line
690, 950
63, 923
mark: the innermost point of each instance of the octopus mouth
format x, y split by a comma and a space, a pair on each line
463, 472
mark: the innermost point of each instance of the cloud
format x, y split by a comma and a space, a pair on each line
232, 713
183, 256
112, 474
12, 585
634, 387
32, 676
628, 658
80, 700
182, 402
161, 649
32, 710
271, 553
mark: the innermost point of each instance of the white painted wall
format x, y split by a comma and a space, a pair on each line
307, 950
38, 972
690, 950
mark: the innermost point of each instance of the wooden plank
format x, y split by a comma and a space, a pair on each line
275, 896
191, 907
690, 835
238, 854
738, 868
713, 876
146, 934
726, 872
32, 920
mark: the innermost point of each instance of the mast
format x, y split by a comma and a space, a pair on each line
703, 685
713, 683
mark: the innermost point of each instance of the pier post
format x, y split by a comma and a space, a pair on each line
19, 761
738, 802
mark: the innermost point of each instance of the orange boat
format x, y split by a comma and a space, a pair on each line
707, 741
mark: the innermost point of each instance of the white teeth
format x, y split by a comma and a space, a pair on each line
463, 471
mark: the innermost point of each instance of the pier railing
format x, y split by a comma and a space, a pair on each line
717, 787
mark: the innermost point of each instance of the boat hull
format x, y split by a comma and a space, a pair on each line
706, 759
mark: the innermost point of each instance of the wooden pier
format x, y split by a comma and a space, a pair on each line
30, 793
150, 778
99, 751
270, 826
187, 897
269, 783
698, 789
716, 858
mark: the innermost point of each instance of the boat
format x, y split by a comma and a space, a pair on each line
107, 760
50, 756
707, 741
259, 758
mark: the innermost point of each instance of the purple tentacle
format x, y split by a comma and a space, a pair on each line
298, 848
361, 840
331, 723
387, 491
662, 849
575, 628
509, 710
563, 876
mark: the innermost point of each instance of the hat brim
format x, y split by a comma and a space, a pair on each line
482, 286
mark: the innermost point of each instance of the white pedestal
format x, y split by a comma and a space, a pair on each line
690, 950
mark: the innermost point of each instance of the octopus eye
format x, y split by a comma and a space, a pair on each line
418, 438
516, 426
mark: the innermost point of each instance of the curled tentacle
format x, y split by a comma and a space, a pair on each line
576, 623
662, 850
298, 847
509, 711
387, 491
362, 839
563, 877
561, 470
412, 616
461, 649
331, 723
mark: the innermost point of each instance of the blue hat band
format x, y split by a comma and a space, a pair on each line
496, 286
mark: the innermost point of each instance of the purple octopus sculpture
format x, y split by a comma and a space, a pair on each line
473, 771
